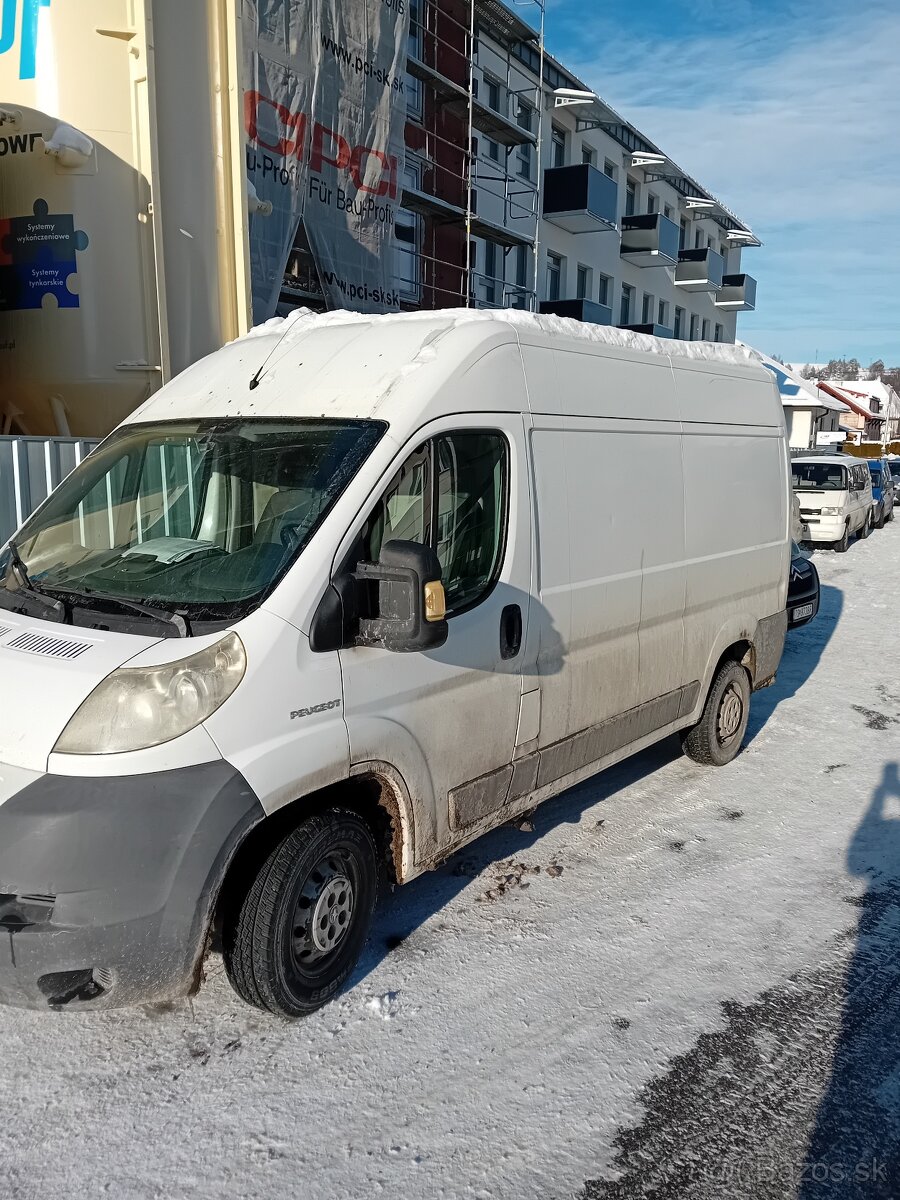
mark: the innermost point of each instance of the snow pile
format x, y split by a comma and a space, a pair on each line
303, 320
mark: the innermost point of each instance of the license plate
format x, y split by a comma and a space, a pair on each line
805, 610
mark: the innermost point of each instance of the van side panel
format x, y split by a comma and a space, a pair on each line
736, 513
610, 534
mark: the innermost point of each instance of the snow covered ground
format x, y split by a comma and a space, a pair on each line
682, 974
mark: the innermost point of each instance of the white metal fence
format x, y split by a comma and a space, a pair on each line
30, 468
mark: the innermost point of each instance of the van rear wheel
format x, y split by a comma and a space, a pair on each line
305, 917
717, 737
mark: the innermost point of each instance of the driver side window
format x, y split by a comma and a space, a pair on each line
450, 494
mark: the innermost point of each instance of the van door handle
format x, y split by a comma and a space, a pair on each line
510, 631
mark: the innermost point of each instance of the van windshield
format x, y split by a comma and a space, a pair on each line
198, 518
828, 477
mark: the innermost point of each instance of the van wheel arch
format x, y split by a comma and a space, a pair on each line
371, 796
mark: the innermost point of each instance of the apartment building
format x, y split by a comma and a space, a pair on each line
561, 206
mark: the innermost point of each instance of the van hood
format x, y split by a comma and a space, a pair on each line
46, 671
813, 501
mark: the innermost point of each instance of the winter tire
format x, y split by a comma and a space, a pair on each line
718, 735
305, 917
865, 528
879, 524
842, 545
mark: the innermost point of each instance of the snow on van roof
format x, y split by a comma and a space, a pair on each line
304, 320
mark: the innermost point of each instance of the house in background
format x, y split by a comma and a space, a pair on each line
879, 398
864, 421
812, 417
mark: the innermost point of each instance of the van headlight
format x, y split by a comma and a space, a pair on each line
830, 512
137, 707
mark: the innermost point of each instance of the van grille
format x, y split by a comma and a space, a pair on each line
39, 643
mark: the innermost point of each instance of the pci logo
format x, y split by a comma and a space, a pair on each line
26, 29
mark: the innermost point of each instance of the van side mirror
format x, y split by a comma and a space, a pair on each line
407, 597
397, 604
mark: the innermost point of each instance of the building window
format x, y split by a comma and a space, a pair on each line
588, 154
678, 329
685, 234
583, 283
492, 149
704, 331
719, 333
524, 119
604, 292
695, 327
521, 266
647, 309
662, 314
609, 169
699, 240
625, 306
630, 198
489, 278
557, 147
407, 234
554, 276
667, 211
652, 203
492, 93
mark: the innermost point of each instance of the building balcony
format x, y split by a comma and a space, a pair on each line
578, 310
649, 240
737, 293
699, 270
660, 331
580, 199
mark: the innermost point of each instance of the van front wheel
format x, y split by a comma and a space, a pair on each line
304, 920
718, 735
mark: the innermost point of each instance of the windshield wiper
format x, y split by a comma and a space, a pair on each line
145, 610
27, 585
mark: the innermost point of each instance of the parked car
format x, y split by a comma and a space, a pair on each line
836, 501
894, 465
882, 491
803, 589
343, 597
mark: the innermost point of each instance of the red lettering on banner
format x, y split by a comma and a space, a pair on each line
293, 122
318, 156
387, 185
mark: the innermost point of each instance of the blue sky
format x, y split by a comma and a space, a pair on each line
789, 112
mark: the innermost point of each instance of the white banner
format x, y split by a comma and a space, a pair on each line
324, 115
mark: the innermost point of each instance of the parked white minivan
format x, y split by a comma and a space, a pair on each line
835, 494
341, 598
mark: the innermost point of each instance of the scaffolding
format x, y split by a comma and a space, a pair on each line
473, 166
474, 151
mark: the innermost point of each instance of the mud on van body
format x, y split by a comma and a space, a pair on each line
341, 598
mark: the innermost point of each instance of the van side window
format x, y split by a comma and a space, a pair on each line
450, 494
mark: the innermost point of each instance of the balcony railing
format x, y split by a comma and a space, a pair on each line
737, 293
580, 199
579, 310
649, 240
699, 270
660, 331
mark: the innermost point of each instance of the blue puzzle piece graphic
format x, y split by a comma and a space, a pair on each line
37, 259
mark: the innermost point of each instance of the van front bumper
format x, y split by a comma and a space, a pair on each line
107, 884
824, 529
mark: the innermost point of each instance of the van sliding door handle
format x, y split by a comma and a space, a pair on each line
510, 631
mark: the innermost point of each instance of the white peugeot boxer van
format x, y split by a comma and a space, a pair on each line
341, 598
